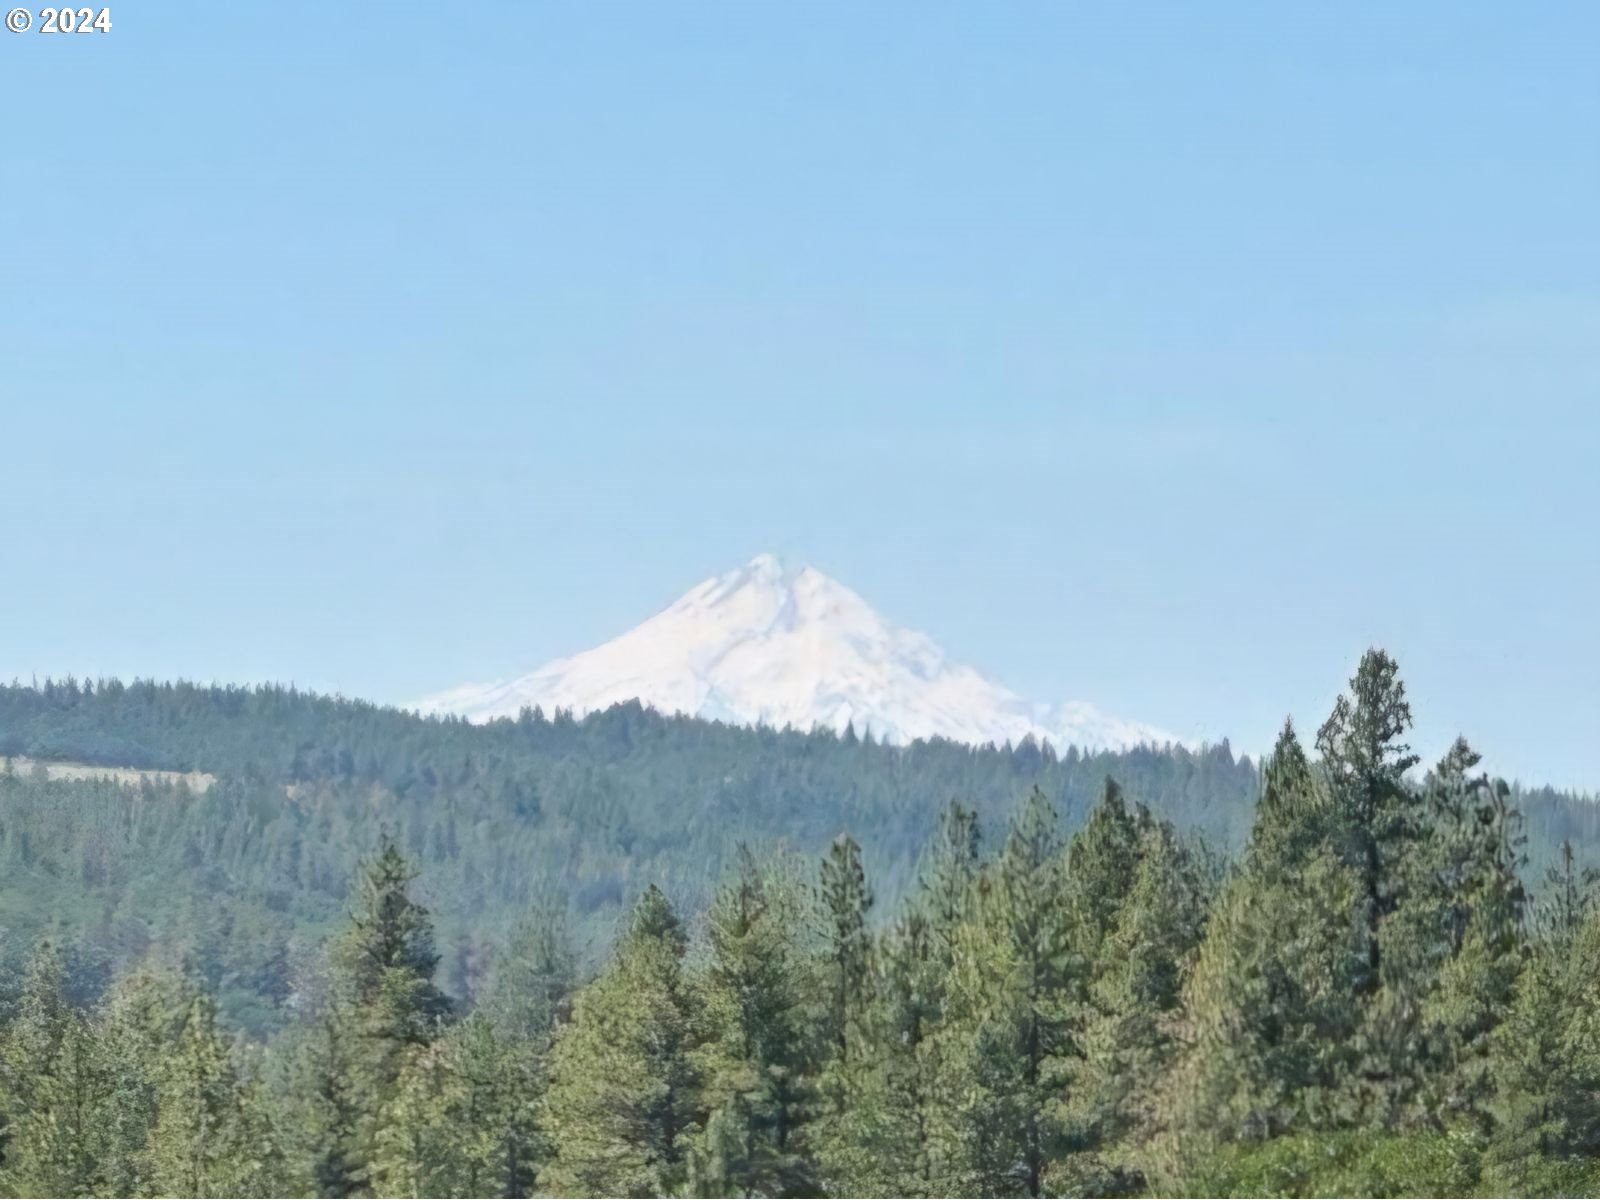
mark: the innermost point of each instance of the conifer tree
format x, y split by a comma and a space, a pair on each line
897, 1136
386, 1011
137, 1030
1389, 837
458, 1124
533, 979
1294, 819
1101, 860
320, 1117
1131, 1011
1546, 1055
1016, 977
624, 1099
843, 901
949, 872
529, 996
1470, 940
1568, 894
204, 1142
760, 1058
1365, 763
60, 1085
1270, 1001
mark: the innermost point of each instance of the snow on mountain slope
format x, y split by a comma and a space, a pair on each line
765, 644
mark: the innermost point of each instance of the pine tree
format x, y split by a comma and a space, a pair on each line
624, 1098
759, 1061
386, 1012
1016, 979
60, 1085
1270, 1003
1365, 763
949, 872
529, 996
388, 957
533, 979
1101, 860
321, 1110
204, 1142
1131, 1010
459, 1123
1569, 894
1388, 831
1546, 1055
1294, 819
140, 1023
843, 902
897, 1138
1469, 939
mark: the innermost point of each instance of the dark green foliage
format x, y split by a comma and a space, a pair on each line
760, 1058
1016, 978
1367, 1002
1270, 1012
1342, 1164
844, 902
249, 877
626, 1091
60, 1085
205, 1140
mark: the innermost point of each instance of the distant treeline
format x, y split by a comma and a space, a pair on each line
245, 883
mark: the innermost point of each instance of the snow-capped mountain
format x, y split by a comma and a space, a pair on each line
773, 645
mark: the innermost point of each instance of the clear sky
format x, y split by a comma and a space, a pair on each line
1164, 356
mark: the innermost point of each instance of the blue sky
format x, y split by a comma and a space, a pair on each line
1154, 356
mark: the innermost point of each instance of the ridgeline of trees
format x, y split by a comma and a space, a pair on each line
248, 880
1080, 1000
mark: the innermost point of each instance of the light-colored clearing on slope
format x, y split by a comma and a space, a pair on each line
198, 781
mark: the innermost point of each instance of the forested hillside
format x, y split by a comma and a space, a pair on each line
244, 882
1070, 999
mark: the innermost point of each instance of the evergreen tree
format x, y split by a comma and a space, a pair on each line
843, 902
896, 1137
1568, 894
1389, 837
1470, 940
1016, 978
949, 872
530, 996
1101, 860
386, 1011
1365, 763
1294, 819
460, 1123
137, 1030
1270, 1001
1546, 1056
624, 1098
759, 1060
533, 979
60, 1086
1131, 1012
320, 1111
204, 1142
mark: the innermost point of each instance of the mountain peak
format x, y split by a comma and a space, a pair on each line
782, 644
